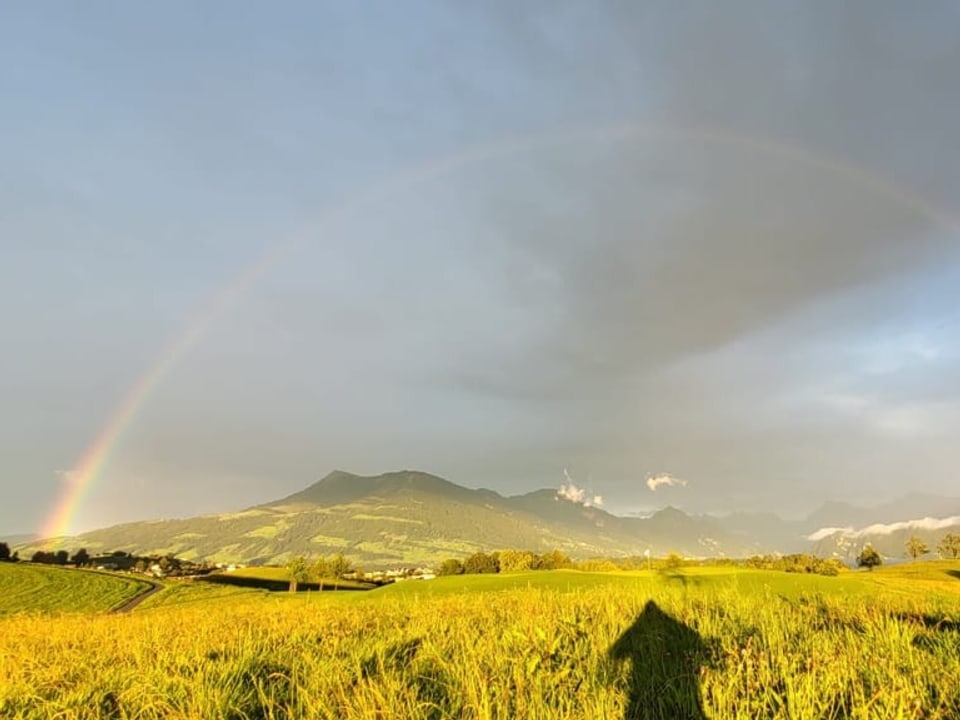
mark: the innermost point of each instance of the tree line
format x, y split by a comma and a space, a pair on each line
796, 563
6, 555
166, 565
948, 547
505, 561
304, 570
81, 558
915, 548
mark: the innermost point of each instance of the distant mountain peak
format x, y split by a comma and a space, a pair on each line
339, 487
411, 516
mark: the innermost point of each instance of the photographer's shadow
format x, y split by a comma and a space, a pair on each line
665, 657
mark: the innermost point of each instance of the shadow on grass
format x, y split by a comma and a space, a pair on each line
954, 574
665, 657
929, 621
274, 585
673, 576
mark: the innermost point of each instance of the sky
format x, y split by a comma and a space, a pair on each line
515, 245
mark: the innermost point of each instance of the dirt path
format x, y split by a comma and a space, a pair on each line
130, 604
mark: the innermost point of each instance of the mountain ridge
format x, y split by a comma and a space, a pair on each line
410, 516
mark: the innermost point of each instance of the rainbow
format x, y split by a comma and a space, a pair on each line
83, 477
80, 480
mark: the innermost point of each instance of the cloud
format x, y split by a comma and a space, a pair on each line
927, 523
582, 496
826, 532
655, 481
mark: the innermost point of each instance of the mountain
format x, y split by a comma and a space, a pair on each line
766, 531
841, 530
912, 505
409, 517
888, 539
840, 514
341, 487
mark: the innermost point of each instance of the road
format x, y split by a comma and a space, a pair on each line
130, 604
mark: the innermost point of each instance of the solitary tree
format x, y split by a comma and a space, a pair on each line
320, 570
299, 571
949, 546
339, 566
869, 558
81, 557
916, 547
4, 552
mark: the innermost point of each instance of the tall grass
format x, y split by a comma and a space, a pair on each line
664, 650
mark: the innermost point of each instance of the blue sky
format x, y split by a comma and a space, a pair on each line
714, 241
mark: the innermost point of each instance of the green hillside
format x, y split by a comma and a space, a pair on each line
405, 518
43, 588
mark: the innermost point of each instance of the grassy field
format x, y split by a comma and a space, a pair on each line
44, 588
698, 643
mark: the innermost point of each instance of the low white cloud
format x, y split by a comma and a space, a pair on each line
828, 531
655, 481
580, 495
927, 523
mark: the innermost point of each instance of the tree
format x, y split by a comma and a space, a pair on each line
869, 558
320, 570
673, 561
451, 566
916, 547
299, 571
340, 566
949, 546
81, 557
480, 563
515, 560
554, 560
4, 552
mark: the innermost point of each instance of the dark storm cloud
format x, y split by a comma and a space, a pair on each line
871, 82
652, 253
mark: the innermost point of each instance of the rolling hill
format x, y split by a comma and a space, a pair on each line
410, 517
42, 588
